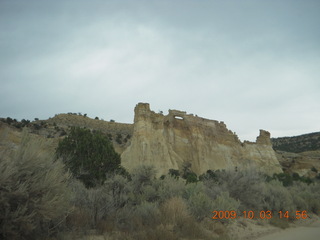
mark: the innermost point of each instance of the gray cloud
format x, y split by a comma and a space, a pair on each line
252, 64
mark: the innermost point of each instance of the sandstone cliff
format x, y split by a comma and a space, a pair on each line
171, 141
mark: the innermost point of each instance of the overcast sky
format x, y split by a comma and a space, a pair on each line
252, 64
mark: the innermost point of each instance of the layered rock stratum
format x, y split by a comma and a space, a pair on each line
178, 139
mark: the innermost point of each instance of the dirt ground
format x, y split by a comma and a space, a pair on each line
260, 230
311, 232
246, 229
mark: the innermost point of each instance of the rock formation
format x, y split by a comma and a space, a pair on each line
174, 140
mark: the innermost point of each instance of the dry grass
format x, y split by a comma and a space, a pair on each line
280, 223
34, 198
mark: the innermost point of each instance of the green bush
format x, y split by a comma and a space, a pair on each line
147, 214
98, 205
174, 173
225, 203
119, 138
89, 156
277, 197
188, 174
243, 186
141, 176
209, 175
34, 199
170, 187
9, 120
306, 197
285, 178
118, 187
200, 206
191, 177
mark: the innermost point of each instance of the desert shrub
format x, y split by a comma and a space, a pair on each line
34, 199
97, 208
299, 194
191, 177
25, 122
176, 214
200, 206
295, 176
117, 186
147, 214
36, 126
78, 221
119, 138
314, 169
313, 202
191, 229
144, 185
174, 173
102, 202
225, 203
188, 174
150, 193
277, 197
313, 199
141, 176
89, 156
18, 125
101, 205
174, 211
170, 187
193, 189
306, 180
306, 197
124, 219
62, 133
243, 186
285, 178
109, 136
209, 175
121, 171
9, 120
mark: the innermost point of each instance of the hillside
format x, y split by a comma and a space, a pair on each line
57, 127
300, 154
177, 140
297, 144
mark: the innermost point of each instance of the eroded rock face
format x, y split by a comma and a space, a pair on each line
305, 164
176, 139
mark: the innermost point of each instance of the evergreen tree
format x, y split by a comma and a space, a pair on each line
88, 155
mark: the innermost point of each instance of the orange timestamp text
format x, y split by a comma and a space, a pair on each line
259, 215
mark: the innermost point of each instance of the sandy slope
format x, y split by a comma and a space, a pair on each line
246, 229
311, 232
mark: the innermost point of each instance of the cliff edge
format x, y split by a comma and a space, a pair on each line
173, 140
